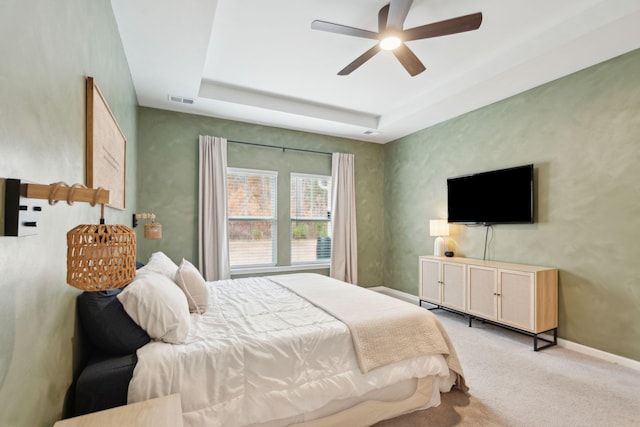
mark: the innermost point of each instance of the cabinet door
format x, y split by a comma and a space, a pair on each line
482, 291
430, 280
516, 298
453, 289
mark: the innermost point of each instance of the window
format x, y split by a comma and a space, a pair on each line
251, 199
310, 218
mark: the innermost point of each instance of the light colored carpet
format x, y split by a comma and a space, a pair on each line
511, 385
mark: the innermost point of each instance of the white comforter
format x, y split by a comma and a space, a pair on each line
262, 353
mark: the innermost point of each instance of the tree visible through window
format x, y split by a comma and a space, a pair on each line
310, 218
251, 199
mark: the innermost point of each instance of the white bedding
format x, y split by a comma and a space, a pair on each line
262, 353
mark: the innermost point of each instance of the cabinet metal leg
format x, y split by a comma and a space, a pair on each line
549, 343
435, 306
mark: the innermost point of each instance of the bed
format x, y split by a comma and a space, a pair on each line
298, 349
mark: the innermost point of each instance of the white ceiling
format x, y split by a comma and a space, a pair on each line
260, 61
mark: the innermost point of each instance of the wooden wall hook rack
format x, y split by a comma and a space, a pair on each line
66, 193
20, 209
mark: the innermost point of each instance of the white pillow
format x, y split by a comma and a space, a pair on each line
158, 306
160, 263
189, 279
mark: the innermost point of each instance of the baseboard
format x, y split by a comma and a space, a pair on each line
396, 293
569, 345
598, 354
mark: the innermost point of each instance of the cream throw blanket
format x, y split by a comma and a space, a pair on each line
384, 329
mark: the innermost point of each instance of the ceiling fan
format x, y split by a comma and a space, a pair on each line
392, 36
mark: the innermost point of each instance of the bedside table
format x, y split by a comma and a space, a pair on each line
161, 412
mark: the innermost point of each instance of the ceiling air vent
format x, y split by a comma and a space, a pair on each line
370, 132
181, 100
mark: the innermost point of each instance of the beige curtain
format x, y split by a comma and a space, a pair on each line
213, 237
344, 242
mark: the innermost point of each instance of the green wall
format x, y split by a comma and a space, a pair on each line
582, 133
47, 49
168, 179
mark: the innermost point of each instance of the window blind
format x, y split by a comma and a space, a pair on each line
310, 218
252, 217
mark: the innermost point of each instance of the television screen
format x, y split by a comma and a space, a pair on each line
502, 196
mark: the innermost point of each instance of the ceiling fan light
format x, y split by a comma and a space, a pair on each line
390, 43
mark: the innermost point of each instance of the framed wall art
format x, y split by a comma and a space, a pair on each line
106, 148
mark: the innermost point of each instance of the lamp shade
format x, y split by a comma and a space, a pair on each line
100, 257
153, 231
438, 227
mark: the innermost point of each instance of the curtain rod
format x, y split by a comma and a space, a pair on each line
283, 148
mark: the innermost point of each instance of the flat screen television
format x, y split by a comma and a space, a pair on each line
503, 196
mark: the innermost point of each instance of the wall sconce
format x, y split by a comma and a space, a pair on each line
152, 230
99, 256
439, 228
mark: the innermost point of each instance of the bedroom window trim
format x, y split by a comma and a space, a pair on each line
324, 246
273, 218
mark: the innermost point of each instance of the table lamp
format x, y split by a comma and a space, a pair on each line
438, 228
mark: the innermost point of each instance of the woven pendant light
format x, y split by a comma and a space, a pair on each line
100, 257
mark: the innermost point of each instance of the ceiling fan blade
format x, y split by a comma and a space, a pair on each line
343, 29
409, 60
383, 15
443, 28
398, 13
360, 60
